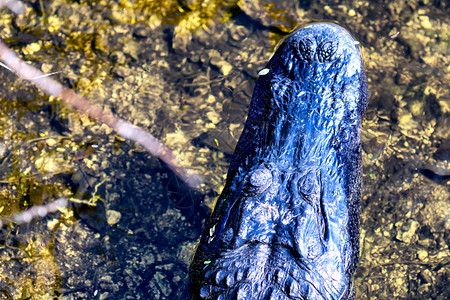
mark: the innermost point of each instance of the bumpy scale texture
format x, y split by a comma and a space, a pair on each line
286, 225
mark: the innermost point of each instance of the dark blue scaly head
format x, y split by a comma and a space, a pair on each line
287, 222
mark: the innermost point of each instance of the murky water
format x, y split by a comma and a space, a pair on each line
186, 72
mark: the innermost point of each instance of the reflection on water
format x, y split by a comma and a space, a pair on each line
185, 71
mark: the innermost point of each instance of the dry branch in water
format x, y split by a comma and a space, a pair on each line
38, 211
122, 127
15, 6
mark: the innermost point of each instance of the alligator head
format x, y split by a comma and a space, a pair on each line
286, 225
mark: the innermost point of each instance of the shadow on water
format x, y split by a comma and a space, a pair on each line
188, 200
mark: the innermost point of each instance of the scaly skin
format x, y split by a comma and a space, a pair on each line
286, 225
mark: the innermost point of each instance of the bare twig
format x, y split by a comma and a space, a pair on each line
122, 127
15, 6
38, 211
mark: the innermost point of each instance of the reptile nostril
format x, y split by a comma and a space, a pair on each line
306, 49
326, 51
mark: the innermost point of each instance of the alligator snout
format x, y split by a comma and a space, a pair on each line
286, 225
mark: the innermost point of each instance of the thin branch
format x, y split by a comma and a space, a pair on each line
122, 127
38, 211
15, 6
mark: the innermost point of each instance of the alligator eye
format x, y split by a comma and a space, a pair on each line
326, 51
305, 50
258, 181
309, 187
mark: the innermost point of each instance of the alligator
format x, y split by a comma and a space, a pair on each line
286, 225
